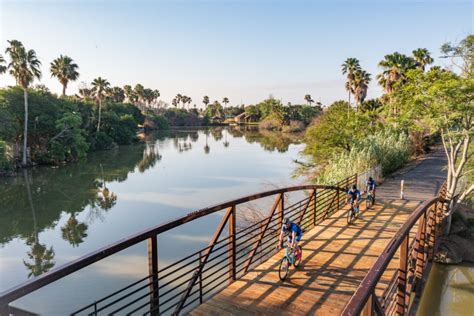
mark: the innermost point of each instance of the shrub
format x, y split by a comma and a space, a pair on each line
6, 158
271, 124
100, 141
294, 127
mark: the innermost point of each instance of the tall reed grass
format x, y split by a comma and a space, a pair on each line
388, 148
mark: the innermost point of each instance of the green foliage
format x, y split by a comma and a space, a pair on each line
6, 159
335, 131
387, 148
64, 129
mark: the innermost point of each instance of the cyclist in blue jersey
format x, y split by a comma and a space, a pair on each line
353, 197
370, 186
294, 233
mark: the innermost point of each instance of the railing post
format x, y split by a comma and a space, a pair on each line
315, 206
281, 209
368, 308
232, 250
200, 279
4, 309
153, 271
402, 276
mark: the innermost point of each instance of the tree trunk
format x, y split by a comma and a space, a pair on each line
100, 114
64, 89
25, 132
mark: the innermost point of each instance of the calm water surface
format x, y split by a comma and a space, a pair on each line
50, 216
449, 291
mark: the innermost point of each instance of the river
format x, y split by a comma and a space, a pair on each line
449, 291
52, 215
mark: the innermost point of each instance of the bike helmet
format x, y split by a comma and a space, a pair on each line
287, 221
370, 179
354, 187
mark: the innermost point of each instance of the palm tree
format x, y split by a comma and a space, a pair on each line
116, 94
361, 85
139, 91
174, 102
350, 67
189, 101
225, 100
65, 70
129, 94
422, 58
205, 100
308, 99
99, 87
24, 67
394, 68
3, 68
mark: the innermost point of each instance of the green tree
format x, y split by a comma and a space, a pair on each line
205, 100
441, 102
139, 91
24, 67
130, 94
349, 68
461, 55
361, 85
334, 131
308, 99
100, 87
3, 68
225, 100
394, 66
422, 58
116, 94
65, 70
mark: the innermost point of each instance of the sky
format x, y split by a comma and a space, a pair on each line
243, 50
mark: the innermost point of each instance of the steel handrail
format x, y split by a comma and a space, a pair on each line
369, 283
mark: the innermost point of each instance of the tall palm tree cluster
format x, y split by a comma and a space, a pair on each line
394, 68
181, 99
358, 80
396, 65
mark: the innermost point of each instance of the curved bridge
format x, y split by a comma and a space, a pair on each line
237, 272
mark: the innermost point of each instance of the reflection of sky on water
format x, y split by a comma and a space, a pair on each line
151, 184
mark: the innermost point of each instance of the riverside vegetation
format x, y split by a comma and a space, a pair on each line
419, 106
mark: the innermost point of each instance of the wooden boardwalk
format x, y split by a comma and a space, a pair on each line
336, 257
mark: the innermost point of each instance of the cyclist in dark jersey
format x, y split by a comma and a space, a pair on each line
370, 186
294, 233
353, 197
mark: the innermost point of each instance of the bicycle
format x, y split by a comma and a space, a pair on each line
290, 258
352, 214
370, 201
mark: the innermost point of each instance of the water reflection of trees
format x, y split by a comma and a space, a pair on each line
36, 200
74, 231
268, 140
40, 257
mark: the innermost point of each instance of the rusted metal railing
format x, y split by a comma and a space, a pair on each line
410, 251
187, 282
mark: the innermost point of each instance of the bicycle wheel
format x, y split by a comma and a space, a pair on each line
298, 258
283, 269
367, 202
350, 215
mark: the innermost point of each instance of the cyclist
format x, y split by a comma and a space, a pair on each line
370, 186
294, 234
353, 197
